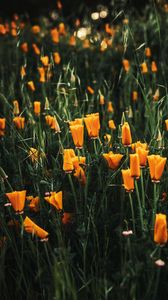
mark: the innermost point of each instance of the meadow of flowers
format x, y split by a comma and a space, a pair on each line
83, 156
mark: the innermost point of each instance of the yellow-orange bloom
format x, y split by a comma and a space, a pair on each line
126, 134
111, 124
77, 121
166, 123
16, 107
160, 229
72, 41
34, 229
113, 160
90, 90
68, 166
156, 166
22, 71
134, 96
101, 100
36, 49
80, 175
92, 123
2, 29
55, 199
67, 218
126, 65
2, 126
110, 108
142, 153
36, 29
17, 199
37, 107
77, 132
34, 204
61, 29
55, 35
41, 71
148, 52
31, 86
138, 144
57, 58
144, 68
128, 180
52, 122
45, 60
34, 154
154, 67
24, 47
135, 165
19, 122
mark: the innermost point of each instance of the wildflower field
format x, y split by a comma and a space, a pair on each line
83, 156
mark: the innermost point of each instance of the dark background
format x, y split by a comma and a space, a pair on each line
37, 7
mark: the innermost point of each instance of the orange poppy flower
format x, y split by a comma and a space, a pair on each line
41, 71
24, 47
113, 160
67, 160
17, 199
61, 29
156, 95
92, 123
80, 174
72, 41
135, 165
22, 71
13, 32
154, 67
34, 229
110, 108
57, 58
126, 134
54, 35
45, 60
126, 65
37, 107
31, 86
59, 4
108, 29
128, 180
160, 229
86, 44
108, 138
52, 122
111, 124
16, 107
19, 122
34, 154
134, 96
142, 153
166, 123
101, 100
67, 218
55, 199
78, 160
144, 68
156, 166
34, 204
90, 90
148, 52
36, 49
2, 126
138, 144
77, 132
36, 29
2, 29
77, 121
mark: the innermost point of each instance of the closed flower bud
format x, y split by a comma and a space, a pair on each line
160, 229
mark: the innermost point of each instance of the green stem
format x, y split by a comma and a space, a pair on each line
140, 207
143, 191
132, 212
155, 199
73, 192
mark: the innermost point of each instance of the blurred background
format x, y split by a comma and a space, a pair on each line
70, 7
